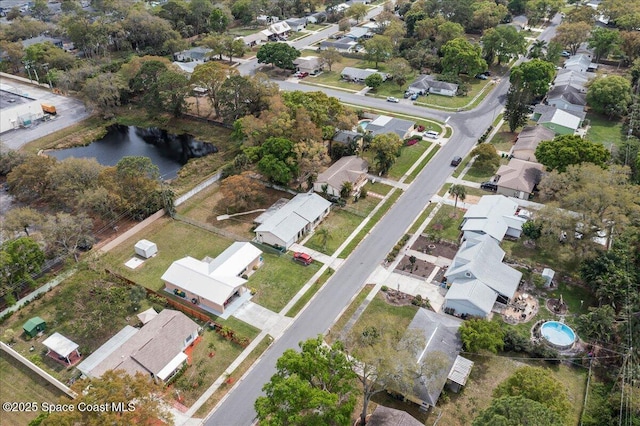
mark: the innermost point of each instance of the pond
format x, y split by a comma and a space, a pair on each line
167, 151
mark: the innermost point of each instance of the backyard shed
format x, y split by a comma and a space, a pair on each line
548, 275
61, 348
34, 326
146, 248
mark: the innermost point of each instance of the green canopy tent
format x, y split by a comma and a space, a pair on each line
34, 326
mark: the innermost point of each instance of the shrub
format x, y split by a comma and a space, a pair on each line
411, 142
384, 288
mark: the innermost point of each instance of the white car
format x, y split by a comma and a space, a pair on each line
432, 134
392, 99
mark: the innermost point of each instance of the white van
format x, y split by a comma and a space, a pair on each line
432, 134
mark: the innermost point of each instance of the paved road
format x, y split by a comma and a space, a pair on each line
237, 408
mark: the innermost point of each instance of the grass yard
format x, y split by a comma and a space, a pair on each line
460, 409
379, 314
475, 86
374, 219
408, 156
391, 88
561, 258
604, 131
298, 35
503, 140
443, 225
309, 293
444, 189
474, 175
378, 188
420, 219
333, 79
315, 27
340, 224
346, 315
19, 384
424, 162
210, 203
175, 240
236, 374
578, 299
278, 280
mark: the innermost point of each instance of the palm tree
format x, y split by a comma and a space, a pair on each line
325, 236
537, 49
458, 191
346, 189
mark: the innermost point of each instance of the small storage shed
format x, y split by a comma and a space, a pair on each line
548, 275
145, 248
34, 326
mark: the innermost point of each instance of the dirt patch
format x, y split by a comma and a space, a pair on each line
395, 297
420, 269
441, 249
469, 199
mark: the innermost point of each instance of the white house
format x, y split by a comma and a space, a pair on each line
290, 222
254, 39
424, 84
385, 124
156, 349
310, 64
494, 215
478, 278
581, 63
213, 283
359, 75
350, 169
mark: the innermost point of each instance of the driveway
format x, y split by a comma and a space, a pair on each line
70, 111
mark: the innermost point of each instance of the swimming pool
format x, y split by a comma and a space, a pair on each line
558, 334
364, 123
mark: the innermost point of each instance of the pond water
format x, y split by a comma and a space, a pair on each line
167, 151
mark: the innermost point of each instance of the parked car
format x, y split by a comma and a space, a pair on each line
414, 97
407, 95
456, 161
565, 54
302, 74
303, 258
392, 99
481, 76
489, 186
432, 134
487, 73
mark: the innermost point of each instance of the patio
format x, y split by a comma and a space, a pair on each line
522, 308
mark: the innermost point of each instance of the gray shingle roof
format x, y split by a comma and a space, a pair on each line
385, 124
568, 93
519, 175
346, 169
531, 136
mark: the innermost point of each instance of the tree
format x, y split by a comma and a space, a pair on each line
139, 394
233, 47
325, 235
536, 384
400, 70
241, 192
64, 233
344, 25
330, 57
40, 10
276, 161
457, 191
481, 335
148, 33
610, 95
598, 325
357, 11
345, 189
532, 230
488, 14
505, 42
603, 41
378, 49
630, 45
22, 219
534, 76
373, 81
537, 49
242, 95
310, 387
571, 35
280, 55
211, 76
487, 159
19, 260
173, 88
103, 91
28, 180
581, 13
459, 55
218, 20
386, 148
518, 107
517, 410
566, 150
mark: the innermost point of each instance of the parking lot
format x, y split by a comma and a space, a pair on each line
69, 111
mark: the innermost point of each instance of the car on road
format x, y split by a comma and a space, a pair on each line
489, 186
302, 258
456, 161
392, 99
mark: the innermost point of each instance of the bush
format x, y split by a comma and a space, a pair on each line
364, 193
384, 288
411, 142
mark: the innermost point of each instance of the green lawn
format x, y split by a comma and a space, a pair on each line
423, 216
424, 162
19, 384
443, 225
170, 236
278, 280
378, 188
340, 224
298, 35
408, 156
474, 175
309, 293
315, 27
503, 140
333, 79
391, 88
396, 319
475, 86
561, 258
604, 131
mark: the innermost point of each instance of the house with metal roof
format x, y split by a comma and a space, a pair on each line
573, 78
494, 215
567, 98
439, 355
351, 169
156, 349
478, 278
359, 75
359, 33
518, 178
292, 221
560, 121
581, 63
344, 44
384, 124
34, 326
528, 140
213, 283
62, 348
